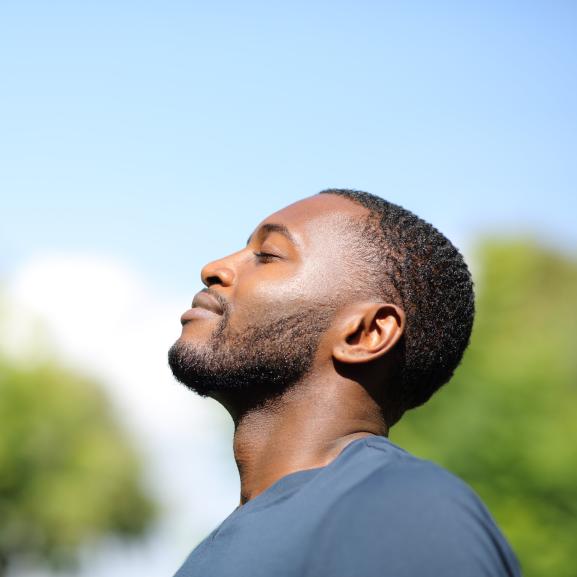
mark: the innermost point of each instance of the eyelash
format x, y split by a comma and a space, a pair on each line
265, 256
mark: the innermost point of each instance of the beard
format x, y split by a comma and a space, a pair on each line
266, 358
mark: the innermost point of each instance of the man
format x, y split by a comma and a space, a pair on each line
342, 312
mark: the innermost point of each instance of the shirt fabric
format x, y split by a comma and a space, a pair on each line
374, 511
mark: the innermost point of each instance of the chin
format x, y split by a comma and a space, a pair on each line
196, 333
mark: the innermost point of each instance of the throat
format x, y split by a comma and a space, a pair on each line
305, 428
263, 460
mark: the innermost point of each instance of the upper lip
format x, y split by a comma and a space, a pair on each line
206, 300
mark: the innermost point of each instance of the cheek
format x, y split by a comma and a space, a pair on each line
261, 299
316, 281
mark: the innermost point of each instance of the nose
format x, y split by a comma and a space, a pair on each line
217, 272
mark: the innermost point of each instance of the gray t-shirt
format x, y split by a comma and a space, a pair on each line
375, 511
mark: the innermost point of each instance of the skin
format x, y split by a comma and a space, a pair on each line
341, 398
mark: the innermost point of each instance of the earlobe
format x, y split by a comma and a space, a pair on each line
369, 332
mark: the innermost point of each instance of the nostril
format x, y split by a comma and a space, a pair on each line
211, 280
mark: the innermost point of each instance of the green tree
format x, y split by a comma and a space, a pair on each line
507, 422
68, 474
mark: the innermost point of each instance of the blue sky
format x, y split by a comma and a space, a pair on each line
161, 133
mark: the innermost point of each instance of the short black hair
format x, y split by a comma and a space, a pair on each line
417, 268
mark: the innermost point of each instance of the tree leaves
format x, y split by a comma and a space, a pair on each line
67, 472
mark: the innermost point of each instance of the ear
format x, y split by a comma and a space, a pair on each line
368, 331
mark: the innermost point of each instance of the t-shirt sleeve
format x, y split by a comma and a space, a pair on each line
416, 522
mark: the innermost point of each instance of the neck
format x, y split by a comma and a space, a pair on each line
305, 428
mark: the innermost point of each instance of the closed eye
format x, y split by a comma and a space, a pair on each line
265, 256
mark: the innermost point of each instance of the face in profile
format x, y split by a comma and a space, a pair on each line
260, 322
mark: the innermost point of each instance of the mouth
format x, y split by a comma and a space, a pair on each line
204, 305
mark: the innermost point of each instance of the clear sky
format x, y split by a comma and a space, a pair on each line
139, 140
162, 132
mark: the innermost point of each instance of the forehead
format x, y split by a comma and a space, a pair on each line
318, 217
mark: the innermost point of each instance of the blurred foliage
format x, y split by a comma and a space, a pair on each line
67, 472
507, 422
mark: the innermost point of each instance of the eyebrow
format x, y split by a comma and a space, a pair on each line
273, 227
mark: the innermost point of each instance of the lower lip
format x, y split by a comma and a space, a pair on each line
197, 313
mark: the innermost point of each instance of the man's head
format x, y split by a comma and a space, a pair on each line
343, 281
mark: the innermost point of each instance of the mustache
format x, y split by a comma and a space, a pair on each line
221, 300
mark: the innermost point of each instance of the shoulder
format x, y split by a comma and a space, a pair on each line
401, 475
415, 513
408, 489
